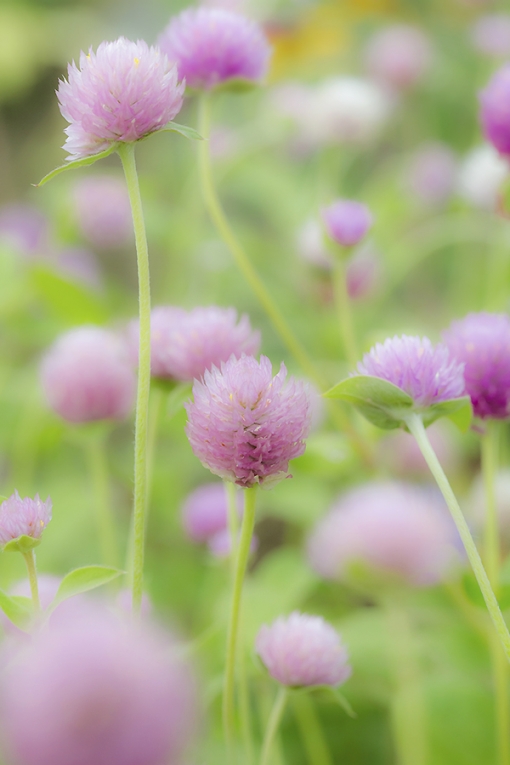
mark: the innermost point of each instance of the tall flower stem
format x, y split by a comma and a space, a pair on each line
242, 555
127, 155
343, 307
273, 723
311, 730
416, 427
32, 578
96, 455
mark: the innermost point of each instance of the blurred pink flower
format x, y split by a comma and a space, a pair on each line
103, 212
491, 35
494, 111
346, 221
204, 512
399, 56
431, 173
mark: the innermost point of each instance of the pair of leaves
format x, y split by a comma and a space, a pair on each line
388, 406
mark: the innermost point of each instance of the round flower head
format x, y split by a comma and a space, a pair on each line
97, 691
495, 110
186, 343
481, 176
424, 371
491, 35
303, 650
481, 341
102, 210
213, 45
245, 425
398, 56
87, 375
347, 222
23, 518
205, 512
122, 93
395, 529
430, 175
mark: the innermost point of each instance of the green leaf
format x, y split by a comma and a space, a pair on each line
17, 609
379, 401
185, 130
176, 399
68, 300
22, 544
237, 85
458, 410
77, 163
84, 579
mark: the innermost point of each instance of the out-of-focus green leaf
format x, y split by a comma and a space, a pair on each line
67, 300
18, 609
382, 403
75, 163
84, 579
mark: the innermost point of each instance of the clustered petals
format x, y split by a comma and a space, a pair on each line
23, 517
303, 650
213, 46
121, 93
424, 371
495, 111
246, 425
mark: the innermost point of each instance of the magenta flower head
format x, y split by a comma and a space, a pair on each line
87, 375
245, 425
424, 371
303, 650
205, 513
395, 532
96, 690
22, 522
495, 110
213, 46
186, 343
102, 210
347, 222
122, 93
481, 342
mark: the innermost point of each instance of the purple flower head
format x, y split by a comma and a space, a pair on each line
303, 650
26, 230
491, 35
481, 342
424, 371
391, 528
205, 513
23, 517
186, 343
495, 110
96, 690
87, 375
213, 45
399, 56
347, 222
102, 210
245, 425
122, 93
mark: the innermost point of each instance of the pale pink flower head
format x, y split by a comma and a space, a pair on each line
399, 56
495, 110
25, 229
213, 46
97, 690
302, 650
205, 513
481, 342
491, 35
363, 272
87, 375
246, 425
426, 372
347, 222
23, 517
102, 210
431, 174
78, 264
186, 343
121, 93
396, 531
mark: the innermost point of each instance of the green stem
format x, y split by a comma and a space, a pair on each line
500, 675
311, 730
243, 552
415, 425
126, 152
343, 307
489, 468
233, 522
273, 723
32, 578
245, 711
97, 459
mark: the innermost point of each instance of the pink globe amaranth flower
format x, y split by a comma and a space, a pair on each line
346, 221
87, 375
390, 528
246, 425
23, 517
481, 342
431, 174
399, 56
426, 372
213, 45
96, 690
495, 110
303, 650
186, 343
205, 513
102, 210
122, 93
491, 35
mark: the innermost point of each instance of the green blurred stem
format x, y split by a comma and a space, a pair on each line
416, 427
242, 555
32, 578
273, 724
98, 466
343, 307
311, 730
233, 522
126, 152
